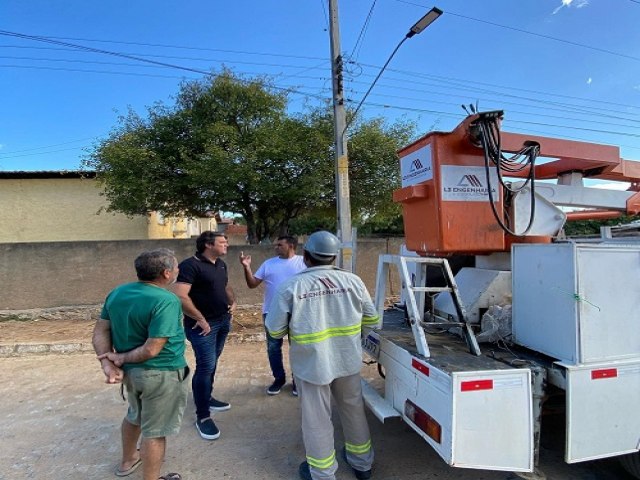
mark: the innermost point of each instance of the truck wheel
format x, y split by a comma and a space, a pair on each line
631, 464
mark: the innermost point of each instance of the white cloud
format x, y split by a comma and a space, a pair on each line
589, 80
571, 3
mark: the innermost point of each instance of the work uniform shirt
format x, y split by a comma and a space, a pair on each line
322, 309
208, 282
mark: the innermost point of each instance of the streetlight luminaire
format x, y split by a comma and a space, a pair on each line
431, 16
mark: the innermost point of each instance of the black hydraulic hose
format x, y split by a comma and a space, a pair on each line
491, 146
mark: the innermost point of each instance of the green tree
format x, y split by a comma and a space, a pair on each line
374, 173
229, 144
592, 227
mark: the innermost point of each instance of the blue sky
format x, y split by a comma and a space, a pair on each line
565, 69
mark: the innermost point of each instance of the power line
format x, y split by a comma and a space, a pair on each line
102, 72
295, 90
457, 105
413, 109
48, 146
458, 80
550, 105
527, 32
363, 31
324, 11
98, 50
181, 47
307, 68
11, 156
221, 61
502, 101
460, 83
107, 52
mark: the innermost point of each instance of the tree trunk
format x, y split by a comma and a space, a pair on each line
252, 234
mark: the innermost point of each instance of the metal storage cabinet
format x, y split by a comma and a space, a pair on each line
578, 303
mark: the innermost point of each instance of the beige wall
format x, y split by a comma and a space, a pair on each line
61, 209
41, 275
172, 227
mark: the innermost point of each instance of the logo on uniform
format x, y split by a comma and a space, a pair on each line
327, 282
328, 288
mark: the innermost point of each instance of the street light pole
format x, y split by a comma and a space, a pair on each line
343, 201
340, 125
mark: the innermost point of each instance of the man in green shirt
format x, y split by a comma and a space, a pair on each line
140, 342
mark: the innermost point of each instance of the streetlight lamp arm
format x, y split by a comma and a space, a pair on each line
430, 17
355, 112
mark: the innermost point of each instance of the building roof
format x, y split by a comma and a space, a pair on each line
47, 174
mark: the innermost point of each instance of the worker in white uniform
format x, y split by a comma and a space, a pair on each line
323, 309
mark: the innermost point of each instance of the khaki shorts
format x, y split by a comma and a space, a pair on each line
157, 399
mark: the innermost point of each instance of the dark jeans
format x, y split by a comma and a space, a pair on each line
274, 352
207, 350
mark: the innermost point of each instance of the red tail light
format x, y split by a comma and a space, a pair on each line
423, 421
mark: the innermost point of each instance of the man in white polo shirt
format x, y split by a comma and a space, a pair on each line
273, 272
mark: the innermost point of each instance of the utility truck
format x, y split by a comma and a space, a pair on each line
476, 354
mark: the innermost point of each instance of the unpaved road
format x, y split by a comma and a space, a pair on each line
75, 324
60, 421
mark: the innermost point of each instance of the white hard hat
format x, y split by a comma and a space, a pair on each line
322, 245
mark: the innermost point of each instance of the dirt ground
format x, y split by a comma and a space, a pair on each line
60, 420
76, 324
54, 426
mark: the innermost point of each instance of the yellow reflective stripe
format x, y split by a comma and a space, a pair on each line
279, 333
370, 320
358, 449
323, 335
322, 463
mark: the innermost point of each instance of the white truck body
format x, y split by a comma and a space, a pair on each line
576, 319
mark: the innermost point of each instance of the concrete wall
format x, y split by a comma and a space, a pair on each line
61, 209
42, 275
178, 227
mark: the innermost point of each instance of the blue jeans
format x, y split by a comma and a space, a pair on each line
207, 350
274, 352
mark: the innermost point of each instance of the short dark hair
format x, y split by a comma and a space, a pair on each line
290, 239
207, 237
151, 264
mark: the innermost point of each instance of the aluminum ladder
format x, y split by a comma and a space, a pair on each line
416, 287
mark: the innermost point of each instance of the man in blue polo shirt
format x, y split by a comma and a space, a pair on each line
208, 303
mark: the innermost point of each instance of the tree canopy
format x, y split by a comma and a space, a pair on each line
230, 144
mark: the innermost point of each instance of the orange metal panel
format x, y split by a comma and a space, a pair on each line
435, 220
633, 204
626, 171
444, 208
564, 149
593, 215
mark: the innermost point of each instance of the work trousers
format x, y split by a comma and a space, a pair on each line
317, 428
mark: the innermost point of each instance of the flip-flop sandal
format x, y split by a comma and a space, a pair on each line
130, 470
171, 476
